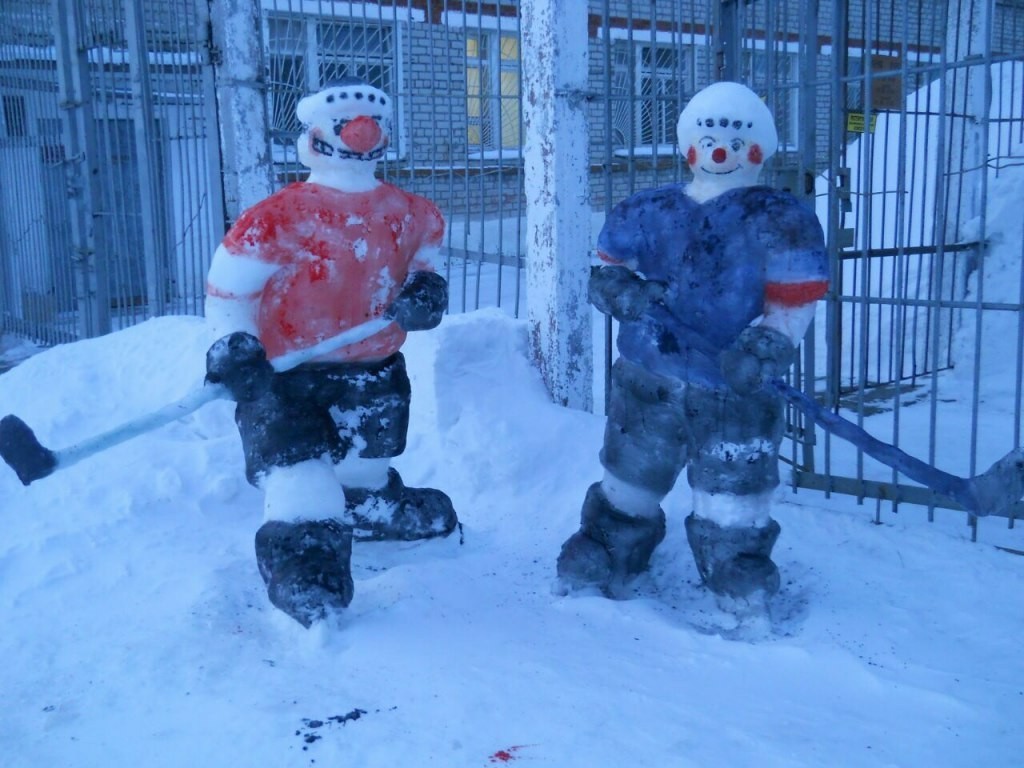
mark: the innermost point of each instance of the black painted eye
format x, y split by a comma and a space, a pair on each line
736, 144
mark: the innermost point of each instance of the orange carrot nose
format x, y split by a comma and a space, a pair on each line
361, 134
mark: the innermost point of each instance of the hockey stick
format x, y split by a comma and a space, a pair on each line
994, 491
991, 492
23, 452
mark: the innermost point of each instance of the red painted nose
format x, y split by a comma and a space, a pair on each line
361, 134
718, 155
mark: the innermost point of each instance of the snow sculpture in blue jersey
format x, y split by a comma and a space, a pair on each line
714, 283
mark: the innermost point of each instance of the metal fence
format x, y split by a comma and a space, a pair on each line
110, 204
125, 152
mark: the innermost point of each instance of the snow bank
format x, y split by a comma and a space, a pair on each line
136, 631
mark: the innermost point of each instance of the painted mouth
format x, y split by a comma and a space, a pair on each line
322, 147
720, 173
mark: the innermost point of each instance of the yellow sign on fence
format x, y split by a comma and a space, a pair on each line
855, 122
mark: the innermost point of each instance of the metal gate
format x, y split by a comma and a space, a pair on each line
111, 201
900, 123
924, 321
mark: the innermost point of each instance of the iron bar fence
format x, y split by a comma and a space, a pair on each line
124, 157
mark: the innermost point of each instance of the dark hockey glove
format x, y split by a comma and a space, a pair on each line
421, 303
759, 354
622, 293
239, 363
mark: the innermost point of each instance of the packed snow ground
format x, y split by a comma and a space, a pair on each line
136, 630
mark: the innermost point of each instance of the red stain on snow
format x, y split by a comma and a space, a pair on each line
507, 755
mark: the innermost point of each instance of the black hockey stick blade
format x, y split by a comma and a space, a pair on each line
23, 452
1000, 486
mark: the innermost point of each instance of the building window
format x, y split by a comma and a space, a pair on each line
15, 116
781, 86
492, 91
648, 94
307, 53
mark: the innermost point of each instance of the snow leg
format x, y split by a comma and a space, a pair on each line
610, 548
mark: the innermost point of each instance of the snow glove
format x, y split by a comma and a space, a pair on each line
622, 293
421, 303
759, 354
238, 362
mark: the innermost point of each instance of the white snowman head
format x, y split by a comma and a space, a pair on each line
727, 133
347, 129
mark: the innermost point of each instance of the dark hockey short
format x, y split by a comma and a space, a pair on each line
331, 409
658, 425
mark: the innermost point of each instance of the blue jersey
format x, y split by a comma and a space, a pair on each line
719, 260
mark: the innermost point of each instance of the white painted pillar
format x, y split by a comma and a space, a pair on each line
241, 103
557, 183
969, 91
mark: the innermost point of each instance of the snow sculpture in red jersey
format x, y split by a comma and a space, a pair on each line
714, 284
311, 261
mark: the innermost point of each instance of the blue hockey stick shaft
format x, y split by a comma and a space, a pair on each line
992, 492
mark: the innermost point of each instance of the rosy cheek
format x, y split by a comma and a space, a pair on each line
691, 156
755, 155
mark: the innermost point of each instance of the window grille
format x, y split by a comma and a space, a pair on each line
307, 53
647, 91
492, 89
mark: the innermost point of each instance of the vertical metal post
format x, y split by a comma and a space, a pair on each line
208, 99
153, 205
807, 143
92, 291
241, 103
838, 200
727, 32
557, 180
968, 105
807, 83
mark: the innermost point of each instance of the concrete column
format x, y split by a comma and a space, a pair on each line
241, 103
557, 183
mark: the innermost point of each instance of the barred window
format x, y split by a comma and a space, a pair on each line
648, 94
492, 91
306, 53
14, 113
780, 85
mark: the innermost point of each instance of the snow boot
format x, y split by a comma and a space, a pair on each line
399, 513
307, 567
610, 547
734, 562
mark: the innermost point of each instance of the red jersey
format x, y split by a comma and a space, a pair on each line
342, 258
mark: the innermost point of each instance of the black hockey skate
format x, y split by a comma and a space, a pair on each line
306, 567
399, 513
734, 562
610, 548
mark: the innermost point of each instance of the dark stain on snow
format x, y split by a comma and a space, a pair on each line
313, 729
